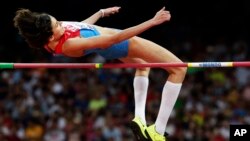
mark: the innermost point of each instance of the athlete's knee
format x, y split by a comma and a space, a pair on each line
142, 71
179, 71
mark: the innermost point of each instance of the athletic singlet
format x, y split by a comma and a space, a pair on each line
74, 29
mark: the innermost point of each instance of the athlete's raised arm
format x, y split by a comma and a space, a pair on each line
101, 13
103, 41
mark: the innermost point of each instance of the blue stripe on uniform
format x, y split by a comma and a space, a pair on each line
116, 51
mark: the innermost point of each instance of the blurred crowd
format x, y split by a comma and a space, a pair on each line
97, 105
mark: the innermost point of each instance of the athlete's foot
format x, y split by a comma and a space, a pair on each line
138, 128
152, 135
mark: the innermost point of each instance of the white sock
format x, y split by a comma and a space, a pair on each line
170, 93
140, 95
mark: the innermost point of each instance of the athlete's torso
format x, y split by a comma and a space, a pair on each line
80, 29
72, 30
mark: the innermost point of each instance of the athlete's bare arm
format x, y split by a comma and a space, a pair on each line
103, 41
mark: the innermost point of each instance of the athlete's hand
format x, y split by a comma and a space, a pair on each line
110, 11
161, 16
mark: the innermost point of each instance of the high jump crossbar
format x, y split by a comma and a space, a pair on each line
121, 65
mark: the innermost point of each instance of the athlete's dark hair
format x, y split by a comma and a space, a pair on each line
34, 27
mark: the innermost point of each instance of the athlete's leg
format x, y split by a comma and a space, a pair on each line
152, 52
138, 124
140, 87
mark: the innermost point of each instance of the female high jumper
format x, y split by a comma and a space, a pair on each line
76, 39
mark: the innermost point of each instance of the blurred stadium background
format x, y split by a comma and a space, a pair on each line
96, 105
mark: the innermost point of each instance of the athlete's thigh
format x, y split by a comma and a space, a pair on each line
139, 71
150, 51
132, 60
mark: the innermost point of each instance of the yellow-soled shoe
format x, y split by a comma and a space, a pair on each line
138, 128
152, 135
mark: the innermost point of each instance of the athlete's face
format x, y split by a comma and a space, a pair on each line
57, 28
